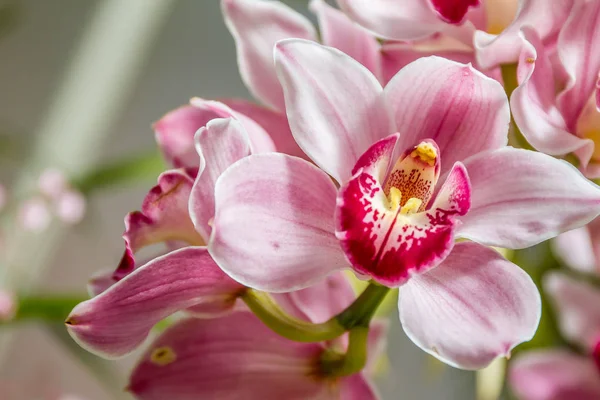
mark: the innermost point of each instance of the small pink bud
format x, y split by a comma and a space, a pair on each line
70, 207
52, 183
34, 215
7, 306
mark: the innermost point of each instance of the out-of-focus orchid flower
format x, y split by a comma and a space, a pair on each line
70, 207
8, 306
133, 300
34, 215
281, 224
580, 248
555, 105
560, 374
237, 356
53, 183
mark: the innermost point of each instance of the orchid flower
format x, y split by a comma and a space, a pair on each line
489, 28
579, 249
281, 223
237, 356
559, 374
132, 300
556, 103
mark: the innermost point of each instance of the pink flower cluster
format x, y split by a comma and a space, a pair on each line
387, 158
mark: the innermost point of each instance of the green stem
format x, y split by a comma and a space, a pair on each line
269, 312
45, 307
355, 359
358, 314
364, 307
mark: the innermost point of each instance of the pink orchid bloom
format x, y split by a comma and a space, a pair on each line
555, 105
282, 224
560, 374
237, 356
490, 28
178, 210
580, 248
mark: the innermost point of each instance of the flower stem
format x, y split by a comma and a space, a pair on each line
46, 308
358, 314
338, 365
269, 312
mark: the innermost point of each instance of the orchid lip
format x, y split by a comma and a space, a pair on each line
388, 222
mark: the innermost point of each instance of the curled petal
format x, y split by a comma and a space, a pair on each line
475, 306
533, 103
274, 122
338, 31
234, 357
164, 216
523, 197
451, 103
382, 236
493, 50
256, 26
273, 229
391, 19
554, 375
576, 304
260, 141
175, 134
115, 322
577, 47
221, 143
335, 107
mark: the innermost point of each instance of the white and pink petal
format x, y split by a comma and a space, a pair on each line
475, 306
115, 322
274, 229
521, 197
220, 144
335, 107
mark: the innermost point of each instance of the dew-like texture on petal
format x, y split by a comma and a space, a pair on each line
576, 304
380, 238
115, 322
464, 111
521, 197
475, 306
334, 105
274, 229
554, 375
163, 217
256, 26
340, 32
230, 358
220, 144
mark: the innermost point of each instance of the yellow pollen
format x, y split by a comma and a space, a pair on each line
426, 152
163, 356
412, 206
394, 198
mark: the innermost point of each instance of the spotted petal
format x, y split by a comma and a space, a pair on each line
387, 237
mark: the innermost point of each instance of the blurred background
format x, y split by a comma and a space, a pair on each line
81, 82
